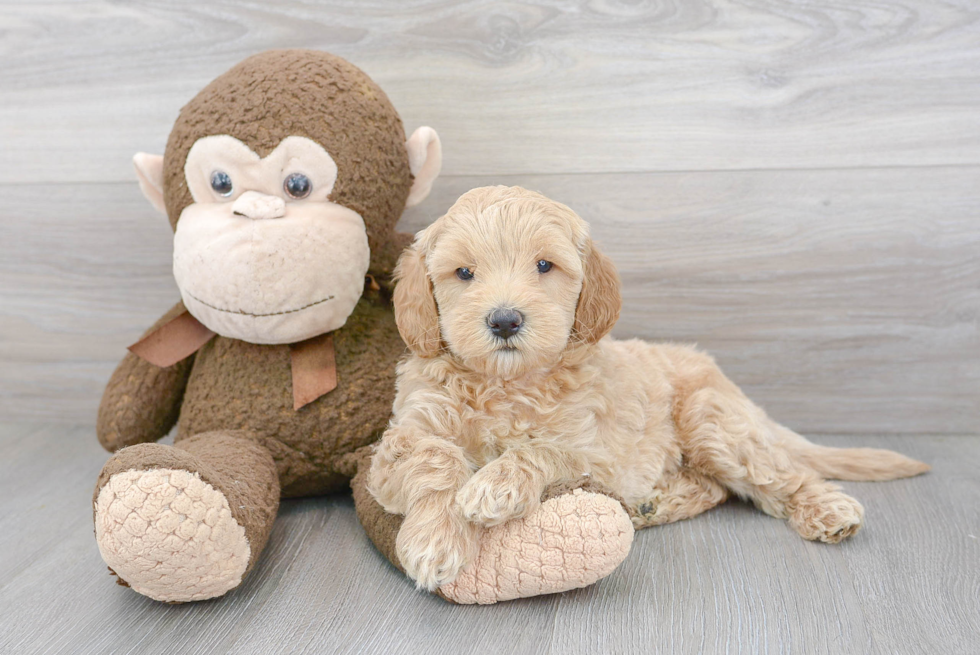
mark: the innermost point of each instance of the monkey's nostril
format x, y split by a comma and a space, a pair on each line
505, 323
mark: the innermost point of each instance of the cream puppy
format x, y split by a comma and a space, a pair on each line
513, 385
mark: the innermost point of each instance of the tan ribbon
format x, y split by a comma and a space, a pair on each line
313, 362
177, 339
314, 369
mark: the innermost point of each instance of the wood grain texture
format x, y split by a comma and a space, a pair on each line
520, 87
731, 580
793, 185
842, 301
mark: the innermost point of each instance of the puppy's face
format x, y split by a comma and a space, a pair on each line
505, 280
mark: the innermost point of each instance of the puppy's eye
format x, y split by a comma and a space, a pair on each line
544, 266
221, 183
297, 186
464, 273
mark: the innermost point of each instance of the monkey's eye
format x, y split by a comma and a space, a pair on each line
464, 273
297, 186
544, 266
221, 183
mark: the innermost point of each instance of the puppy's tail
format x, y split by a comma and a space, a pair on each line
859, 464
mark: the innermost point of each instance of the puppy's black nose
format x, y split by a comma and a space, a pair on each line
505, 323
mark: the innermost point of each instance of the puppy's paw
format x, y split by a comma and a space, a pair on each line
829, 517
434, 551
385, 479
497, 493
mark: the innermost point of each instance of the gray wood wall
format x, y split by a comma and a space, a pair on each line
793, 185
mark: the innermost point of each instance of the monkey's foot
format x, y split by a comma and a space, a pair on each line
169, 535
569, 541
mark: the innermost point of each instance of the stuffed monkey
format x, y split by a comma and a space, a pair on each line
283, 180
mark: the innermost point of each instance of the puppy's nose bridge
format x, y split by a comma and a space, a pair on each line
505, 323
257, 206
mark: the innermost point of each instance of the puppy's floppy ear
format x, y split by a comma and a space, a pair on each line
600, 300
415, 307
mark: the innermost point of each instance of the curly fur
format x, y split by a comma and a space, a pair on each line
481, 426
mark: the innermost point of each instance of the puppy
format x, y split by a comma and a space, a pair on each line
513, 385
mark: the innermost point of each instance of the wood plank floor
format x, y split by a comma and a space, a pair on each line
795, 186
730, 581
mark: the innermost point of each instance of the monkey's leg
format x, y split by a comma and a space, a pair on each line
679, 496
186, 522
577, 536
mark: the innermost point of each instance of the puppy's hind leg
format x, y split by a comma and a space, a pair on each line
728, 438
676, 497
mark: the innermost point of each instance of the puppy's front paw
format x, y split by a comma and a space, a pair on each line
434, 551
498, 492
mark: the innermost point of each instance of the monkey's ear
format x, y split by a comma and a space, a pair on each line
415, 307
600, 300
149, 171
425, 162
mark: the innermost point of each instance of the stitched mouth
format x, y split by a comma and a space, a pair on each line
242, 312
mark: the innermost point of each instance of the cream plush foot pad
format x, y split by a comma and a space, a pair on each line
569, 542
170, 535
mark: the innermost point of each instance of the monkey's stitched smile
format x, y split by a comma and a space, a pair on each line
244, 313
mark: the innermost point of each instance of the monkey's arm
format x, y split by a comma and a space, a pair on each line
142, 401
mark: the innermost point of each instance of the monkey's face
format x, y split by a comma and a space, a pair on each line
262, 254
284, 179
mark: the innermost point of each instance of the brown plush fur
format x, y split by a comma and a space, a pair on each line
142, 401
483, 426
238, 399
316, 95
233, 401
241, 386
